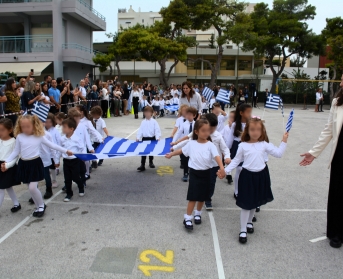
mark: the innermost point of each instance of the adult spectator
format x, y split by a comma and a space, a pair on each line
22, 83
12, 94
88, 85
126, 97
215, 90
319, 100
92, 98
254, 98
235, 93
54, 95
241, 98
105, 99
333, 131
66, 96
147, 91
83, 92
246, 94
44, 93
30, 96
116, 101
190, 97
266, 96
232, 97
47, 80
196, 88
3, 100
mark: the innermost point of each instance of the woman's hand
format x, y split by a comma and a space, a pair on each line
308, 159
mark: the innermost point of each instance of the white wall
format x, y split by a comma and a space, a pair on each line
78, 33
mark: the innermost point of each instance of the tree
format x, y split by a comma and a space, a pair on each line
204, 14
283, 28
212, 41
297, 62
333, 33
104, 61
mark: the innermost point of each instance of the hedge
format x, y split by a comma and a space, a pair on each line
290, 98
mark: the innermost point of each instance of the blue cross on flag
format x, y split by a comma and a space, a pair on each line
223, 96
273, 101
41, 111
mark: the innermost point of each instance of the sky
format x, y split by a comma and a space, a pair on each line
324, 9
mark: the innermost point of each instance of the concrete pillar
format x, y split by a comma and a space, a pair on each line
236, 66
27, 33
202, 66
57, 25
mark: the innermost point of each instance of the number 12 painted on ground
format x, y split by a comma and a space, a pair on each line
167, 259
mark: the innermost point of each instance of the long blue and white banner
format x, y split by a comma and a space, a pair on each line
118, 148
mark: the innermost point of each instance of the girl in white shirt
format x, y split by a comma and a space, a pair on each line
254, 181
226, 133
156, 106
161, 107
29, 133
242, 115
8, 178
202, 153
204, 105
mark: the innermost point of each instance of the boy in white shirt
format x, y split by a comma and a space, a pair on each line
100, 126
149, 130
222, 117
176, 100
71, 164
144, 104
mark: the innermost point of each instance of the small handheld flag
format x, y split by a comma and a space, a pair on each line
207, 93
281, 105
223, 96
273, 101
41, 111
290, 121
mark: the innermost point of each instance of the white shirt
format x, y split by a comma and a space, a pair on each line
56, 139
105, 95
232, 137
162, 104
136, 94
231, 94
46, 98
218, 141
319, 96
72, 144
58, 127
83, 91
221, 122
91, 130
100, 124
173, 92
253, 155
155, 103
29, 147
85, 141
176, 101
212, 101
194, 102
148, 129
184, 130
204, 105
46, 153
200, 155
6, 148
145, 103
255, 93
179, 122
226, 133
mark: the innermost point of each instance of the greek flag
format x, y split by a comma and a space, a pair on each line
172, 108
223, 96
118, 148
207, 93
41, 111
290, 121
273, 101
281, 105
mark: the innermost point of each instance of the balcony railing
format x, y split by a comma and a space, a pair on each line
80, 47
25, 44
22, 1
92, 10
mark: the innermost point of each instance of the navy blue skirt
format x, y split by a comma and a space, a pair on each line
254, 189
199, 185
233, 150
31, 170
9, 177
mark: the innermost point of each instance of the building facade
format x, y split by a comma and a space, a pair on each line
52, 37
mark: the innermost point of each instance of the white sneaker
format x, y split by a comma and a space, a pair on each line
81, 194
54, 184
67, 199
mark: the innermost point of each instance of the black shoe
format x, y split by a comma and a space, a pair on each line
258, 209
181, 166
197, 221
187, 225
229, 179
100, 163
209, 206
15, 208
39, 214
335, 242
64, 189
254, 219
94, 165
243, 239
250, 230
235, 196
90, 169
185, 177
48, 195
87, 177
141, 168
151, 165
31, 201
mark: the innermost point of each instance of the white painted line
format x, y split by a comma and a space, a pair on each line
220, 267
7, 235
318, 239
132, 133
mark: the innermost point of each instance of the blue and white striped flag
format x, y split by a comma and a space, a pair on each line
223, 96
172, 108
290, 121
208, 93
273, 101
118, 148
281, 105
41, 111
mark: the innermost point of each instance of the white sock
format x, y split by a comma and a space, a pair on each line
53, 175
13, 196
36, 196
196, 212
188, 217
251, 215
2, 196
244, 219
238, 171
87, 167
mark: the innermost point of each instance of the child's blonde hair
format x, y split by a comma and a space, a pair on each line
38, 128
74, 112
182, 107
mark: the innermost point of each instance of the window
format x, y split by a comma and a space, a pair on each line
206, 66
244, 65
193, 65
228, 65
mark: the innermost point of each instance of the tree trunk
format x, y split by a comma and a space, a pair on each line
215, 68
118, 69
111, 70
163, 80
332, 93
277, 74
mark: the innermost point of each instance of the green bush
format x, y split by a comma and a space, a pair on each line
290, 98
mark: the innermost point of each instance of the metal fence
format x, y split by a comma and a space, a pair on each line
25, 44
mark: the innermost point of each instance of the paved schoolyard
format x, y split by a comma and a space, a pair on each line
129, 224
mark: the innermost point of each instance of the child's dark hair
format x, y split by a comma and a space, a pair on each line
52, 118
216, 105
246, 136
238, 119
70, 123
197, 126
8, 124
96, 111
83, 109
60, 115
148, 109
211, 118
192, 111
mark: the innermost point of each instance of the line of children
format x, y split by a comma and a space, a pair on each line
201, 152
59, 117
254, 185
